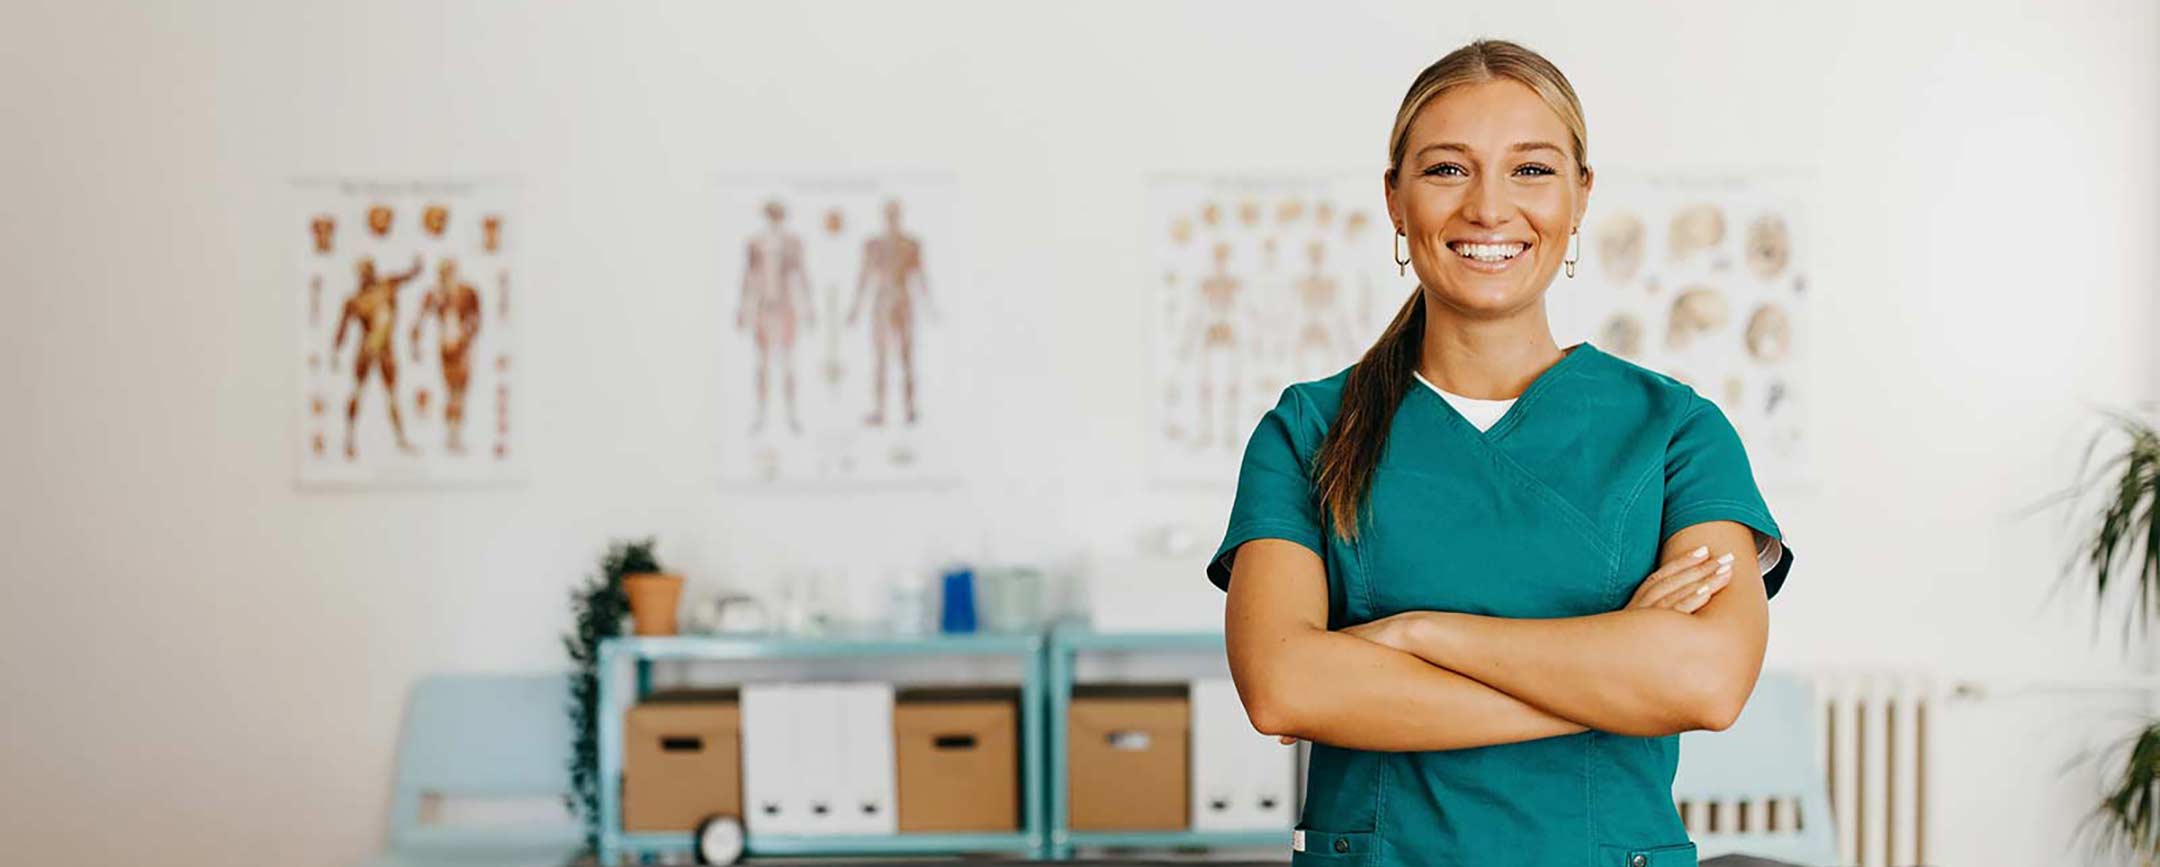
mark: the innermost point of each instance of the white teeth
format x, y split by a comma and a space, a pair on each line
1489, 252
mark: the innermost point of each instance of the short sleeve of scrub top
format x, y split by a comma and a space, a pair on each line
1708, 478
1275, 496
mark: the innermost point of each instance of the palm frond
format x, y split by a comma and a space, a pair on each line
2119, 538
2119, 541
2127, 819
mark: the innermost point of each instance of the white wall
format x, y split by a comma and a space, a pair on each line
201, 659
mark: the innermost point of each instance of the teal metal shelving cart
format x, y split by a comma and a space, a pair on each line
1047, 666
615, 845
1065, 646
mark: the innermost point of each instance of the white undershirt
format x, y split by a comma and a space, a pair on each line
1482, 414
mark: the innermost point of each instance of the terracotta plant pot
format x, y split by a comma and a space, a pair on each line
654, 597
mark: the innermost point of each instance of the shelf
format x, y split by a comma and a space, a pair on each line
1279, 839
932, 843
1075, 639
1026, 649
756, 647
842, 844
1045, 681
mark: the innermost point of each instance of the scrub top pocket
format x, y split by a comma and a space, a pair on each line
1672, 855
1333, 848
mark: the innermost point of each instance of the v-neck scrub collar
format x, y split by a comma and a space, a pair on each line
1518, 405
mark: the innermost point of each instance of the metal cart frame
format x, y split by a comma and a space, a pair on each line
1047, 665
616, 844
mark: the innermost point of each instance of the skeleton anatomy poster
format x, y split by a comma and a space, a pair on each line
1260, 282
404, 307
1703, 277
837, 356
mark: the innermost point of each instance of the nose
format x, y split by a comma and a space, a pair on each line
1486, 204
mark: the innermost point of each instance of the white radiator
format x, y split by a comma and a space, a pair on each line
1875, 748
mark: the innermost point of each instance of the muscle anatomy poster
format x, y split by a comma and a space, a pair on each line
404, 308
837, 357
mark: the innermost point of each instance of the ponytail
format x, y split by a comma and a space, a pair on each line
1343, 469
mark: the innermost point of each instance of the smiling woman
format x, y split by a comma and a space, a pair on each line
1491, 579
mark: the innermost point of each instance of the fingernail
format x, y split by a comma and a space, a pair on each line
1725, 557
1702, 590
1699, 551
1724, 570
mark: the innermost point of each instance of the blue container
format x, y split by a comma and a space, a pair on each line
956, 612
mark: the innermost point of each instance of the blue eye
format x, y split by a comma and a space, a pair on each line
1436, 169
1538, 169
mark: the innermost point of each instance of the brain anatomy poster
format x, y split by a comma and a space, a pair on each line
1259, 282
837, 353
404, 309
1704, 277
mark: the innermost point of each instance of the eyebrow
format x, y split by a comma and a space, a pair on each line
1518, 147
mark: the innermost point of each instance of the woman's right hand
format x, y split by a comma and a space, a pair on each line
1686, 583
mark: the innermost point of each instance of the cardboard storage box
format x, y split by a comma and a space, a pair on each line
1126, 760
958, 762
682, 762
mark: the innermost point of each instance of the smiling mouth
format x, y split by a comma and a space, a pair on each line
1489, 253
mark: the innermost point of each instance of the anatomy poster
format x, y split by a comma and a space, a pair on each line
837, 354
1704, 277
1260, 282
405, 310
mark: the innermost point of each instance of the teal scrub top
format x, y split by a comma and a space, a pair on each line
1558, 510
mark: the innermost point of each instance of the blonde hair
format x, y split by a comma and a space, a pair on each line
1343, 468
1492, 60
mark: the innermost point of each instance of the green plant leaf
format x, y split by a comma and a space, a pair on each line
2119, 540
597, 609
2127, 819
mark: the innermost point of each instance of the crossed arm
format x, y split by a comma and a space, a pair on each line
1430, 680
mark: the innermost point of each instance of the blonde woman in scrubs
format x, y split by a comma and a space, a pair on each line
1491, 579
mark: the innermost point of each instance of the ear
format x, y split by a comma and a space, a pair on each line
1582, 202
1387, 183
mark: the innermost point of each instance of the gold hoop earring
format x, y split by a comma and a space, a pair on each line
1575, 247
1402, 262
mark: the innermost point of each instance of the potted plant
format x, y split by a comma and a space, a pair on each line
597, 609
2121, 543
655, 595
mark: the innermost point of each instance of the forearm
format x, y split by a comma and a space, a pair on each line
1345, 691
1644, 672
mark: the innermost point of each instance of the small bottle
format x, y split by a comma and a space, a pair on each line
1022, 601
910, 606
957, 608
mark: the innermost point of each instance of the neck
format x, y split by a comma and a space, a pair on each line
1489, 359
